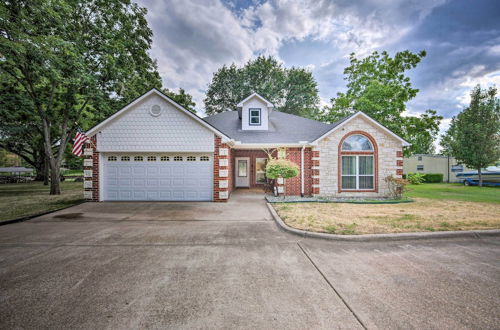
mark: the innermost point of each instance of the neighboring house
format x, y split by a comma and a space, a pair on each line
154, 149
424, 163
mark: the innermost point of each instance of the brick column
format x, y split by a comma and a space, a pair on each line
91, 171
222, 171
399, 163
315, 172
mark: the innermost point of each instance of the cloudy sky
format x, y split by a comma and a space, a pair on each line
193, 38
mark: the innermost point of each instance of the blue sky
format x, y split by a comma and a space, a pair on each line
193, 38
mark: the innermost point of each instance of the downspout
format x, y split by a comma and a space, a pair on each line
302, 171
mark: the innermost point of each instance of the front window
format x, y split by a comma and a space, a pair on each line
254, 119
260, 170
357, 172
357, 167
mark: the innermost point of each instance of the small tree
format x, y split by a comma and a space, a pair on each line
396, 186
281, 168
474, 135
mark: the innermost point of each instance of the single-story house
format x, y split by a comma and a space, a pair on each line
155, 150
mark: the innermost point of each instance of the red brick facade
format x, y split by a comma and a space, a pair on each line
92, 193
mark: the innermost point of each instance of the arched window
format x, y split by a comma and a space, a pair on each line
357, 160
357, 142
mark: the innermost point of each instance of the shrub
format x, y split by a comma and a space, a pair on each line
396, 186
433, 177
283, 168
415, 178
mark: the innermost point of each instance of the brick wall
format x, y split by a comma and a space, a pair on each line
222, 171
91, 171
293, 185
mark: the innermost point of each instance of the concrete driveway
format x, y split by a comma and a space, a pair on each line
207, 265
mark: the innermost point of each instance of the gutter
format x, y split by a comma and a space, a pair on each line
302, 171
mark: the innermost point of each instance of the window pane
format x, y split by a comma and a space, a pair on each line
357, 143
242, 168
255, 116
260, 170
348, 165
365, 165
348, 182
366, 182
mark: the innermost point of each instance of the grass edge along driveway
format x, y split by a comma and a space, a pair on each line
24, 199
437, 207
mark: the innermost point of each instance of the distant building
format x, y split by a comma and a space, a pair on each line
423, 163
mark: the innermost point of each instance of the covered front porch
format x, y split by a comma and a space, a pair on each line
249, 170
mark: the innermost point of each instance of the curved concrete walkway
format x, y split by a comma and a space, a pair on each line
207, 265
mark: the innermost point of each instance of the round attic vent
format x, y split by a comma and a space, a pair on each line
155, 110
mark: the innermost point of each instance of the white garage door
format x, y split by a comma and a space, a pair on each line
157, 177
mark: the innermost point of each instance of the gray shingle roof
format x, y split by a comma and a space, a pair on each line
283, 128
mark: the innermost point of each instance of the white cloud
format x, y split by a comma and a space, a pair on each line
193, 38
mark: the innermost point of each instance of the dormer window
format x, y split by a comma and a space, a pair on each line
255, 117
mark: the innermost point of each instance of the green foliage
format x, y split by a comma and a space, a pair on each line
433, 177
73, 61
415, 178
474, 134
378, 86
182, 98
283, 168
292, 90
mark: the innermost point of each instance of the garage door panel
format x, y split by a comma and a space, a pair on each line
165, 180
125, 171
139, 170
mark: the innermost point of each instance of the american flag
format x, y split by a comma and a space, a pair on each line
80, 139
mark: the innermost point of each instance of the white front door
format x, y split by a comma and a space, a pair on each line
157, 177
242, 171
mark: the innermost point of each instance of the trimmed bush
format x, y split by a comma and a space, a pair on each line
433, 177
415, 178
286, 169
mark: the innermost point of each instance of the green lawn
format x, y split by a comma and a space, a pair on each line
454, 191
72, 172
23, 199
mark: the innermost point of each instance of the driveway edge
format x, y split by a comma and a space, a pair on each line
29, 217
382, 237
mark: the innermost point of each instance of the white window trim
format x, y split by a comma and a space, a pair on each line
250, 116
357, 175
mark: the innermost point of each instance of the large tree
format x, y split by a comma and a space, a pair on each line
182, 98
74, 61
378, 86
292, 90
474, 134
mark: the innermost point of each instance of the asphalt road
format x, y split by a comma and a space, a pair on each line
207, 265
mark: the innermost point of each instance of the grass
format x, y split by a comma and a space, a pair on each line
455, 191
24, 199
72, 173
437, 207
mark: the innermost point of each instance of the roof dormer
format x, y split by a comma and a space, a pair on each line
255, 111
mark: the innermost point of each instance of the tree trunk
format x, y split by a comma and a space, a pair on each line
46, 171
55, 180
480, 177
